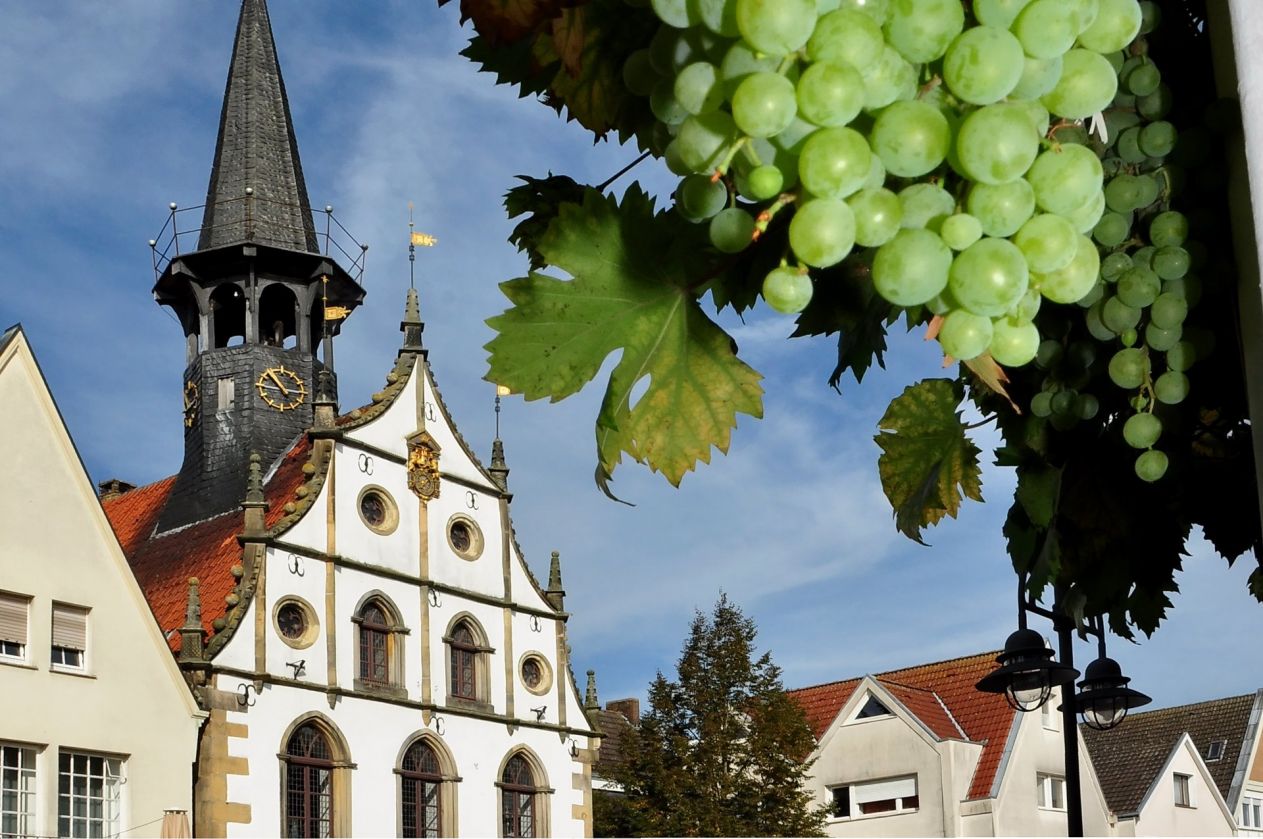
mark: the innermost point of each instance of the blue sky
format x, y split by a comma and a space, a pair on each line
110, 112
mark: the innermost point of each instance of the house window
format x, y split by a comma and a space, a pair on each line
871, 798
89, 794
1050, 792
70, 637
1215, 751
17, 791
1049, 717
13, 620
517, 798
1251, 813
379, 647
872, 708
378, 510
226, 394
308, 784
420, 793
1183, 796
464, 655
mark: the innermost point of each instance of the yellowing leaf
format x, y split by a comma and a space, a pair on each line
927, 461
632, 292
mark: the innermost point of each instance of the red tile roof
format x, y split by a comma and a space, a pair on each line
926, 691
207, 550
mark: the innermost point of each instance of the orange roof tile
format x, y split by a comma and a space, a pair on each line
207, 549
983, 717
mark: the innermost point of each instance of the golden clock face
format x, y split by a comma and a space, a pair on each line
190, 403
281, 388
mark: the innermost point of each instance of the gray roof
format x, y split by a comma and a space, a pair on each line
256, 150
1128, 758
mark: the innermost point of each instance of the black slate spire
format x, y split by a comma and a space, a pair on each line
256, 190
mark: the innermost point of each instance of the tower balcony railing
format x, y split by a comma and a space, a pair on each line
240, 219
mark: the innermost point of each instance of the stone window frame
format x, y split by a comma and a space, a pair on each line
341, 765
310, 634
483, 651
541, 792
392, 510
546, 672
449, 800
395, 653
478, 542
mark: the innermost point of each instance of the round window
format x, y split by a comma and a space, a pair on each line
535, 673
295, 622
464, 536
532, 673
377, 510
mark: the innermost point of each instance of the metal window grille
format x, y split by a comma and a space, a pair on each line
17, 791
517, 798
374, 646
89, 794
420, 794
309, 784
464, 683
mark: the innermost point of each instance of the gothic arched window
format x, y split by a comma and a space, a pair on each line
308, 783
518, 816
421, 791
464, 671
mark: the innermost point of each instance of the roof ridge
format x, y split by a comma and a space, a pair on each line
986, 654
1154, 711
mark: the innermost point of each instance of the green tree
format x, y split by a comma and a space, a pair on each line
722, 750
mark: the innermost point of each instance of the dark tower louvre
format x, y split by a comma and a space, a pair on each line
251, 297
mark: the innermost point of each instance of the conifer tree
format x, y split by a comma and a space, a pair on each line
722, 750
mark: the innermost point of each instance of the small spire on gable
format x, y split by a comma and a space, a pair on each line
499, 468
556, 594
255, 504
191, 641
326, 399
411, 325
590, 702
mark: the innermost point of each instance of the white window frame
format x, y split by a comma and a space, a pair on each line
855, 796
1049, 788
1050, 718
18, 784
1251, 810
1181, 782
109, 770
18, 651
71, 612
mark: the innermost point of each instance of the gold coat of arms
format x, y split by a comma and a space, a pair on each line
423, 465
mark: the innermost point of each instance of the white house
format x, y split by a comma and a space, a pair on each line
98, 729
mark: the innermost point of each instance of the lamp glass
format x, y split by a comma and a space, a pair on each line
1103, 714
1028, 689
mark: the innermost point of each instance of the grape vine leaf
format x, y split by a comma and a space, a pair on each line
633, 273
507, 21
541, 198
928, 462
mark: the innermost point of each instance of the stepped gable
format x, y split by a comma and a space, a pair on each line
1129, 757
942, 695
207, 549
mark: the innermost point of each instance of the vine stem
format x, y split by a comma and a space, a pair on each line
765, 217
621, 172
722, 168
980, 423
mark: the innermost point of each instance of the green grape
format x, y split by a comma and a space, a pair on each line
921, 30
998, 13
700, 197
1094, 294
1129, 145
1038, 114
1049, 354
1041, 404
888, 78
1065, 180
876, 173
1144, 256
703, 140
942, 303
989, 277
830, 94
846, 36
776, 27
1097, 327
1112, 230
877, 216
911, 269
638, 73
794, 136
1072, 283
822, 232
1116, 25
719, 16
1115, 59
1144, 79
666, 108
1188, 287
823, 7
878, 10
1087, 84
965, 336
1162, 339
1150, 16
1039, 76
1151, 465
1113, 266
1155, 105
997, 144
1087, 406
1001, 208
1169, 311
1084, 219
1168, 229
1157, 139
960, 230
1171, 387
1013, 342
1141, 431
1139, 287
677, 166
1128, 368
925, 204
764, 104
1170, 263
983, 65
1064, 403
697, 88
731, 231
1046, 28
678, 13
1085, 12
787, 290
671, 50
1047, 241
1181, 356
911, 138
740, 61
1027, 307
764, 182
1118, 120
1123, 193
1129, 337
834, 163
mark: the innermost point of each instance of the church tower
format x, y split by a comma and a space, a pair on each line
252, 296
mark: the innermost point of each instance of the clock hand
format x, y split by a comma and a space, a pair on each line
272, 375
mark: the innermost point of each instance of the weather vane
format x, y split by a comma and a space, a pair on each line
415, 238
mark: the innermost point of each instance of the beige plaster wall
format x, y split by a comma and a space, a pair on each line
1159, 814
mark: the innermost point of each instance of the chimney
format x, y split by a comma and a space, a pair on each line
629, 708
113, 488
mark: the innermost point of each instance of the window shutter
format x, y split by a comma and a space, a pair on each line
70, 627
13, 618
885, 790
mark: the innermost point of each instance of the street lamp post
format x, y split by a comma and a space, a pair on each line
1028, 673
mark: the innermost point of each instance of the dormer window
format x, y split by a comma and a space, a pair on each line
872, 708
1216, 750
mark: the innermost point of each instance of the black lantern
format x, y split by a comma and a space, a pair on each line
1104, 698
1027, 672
